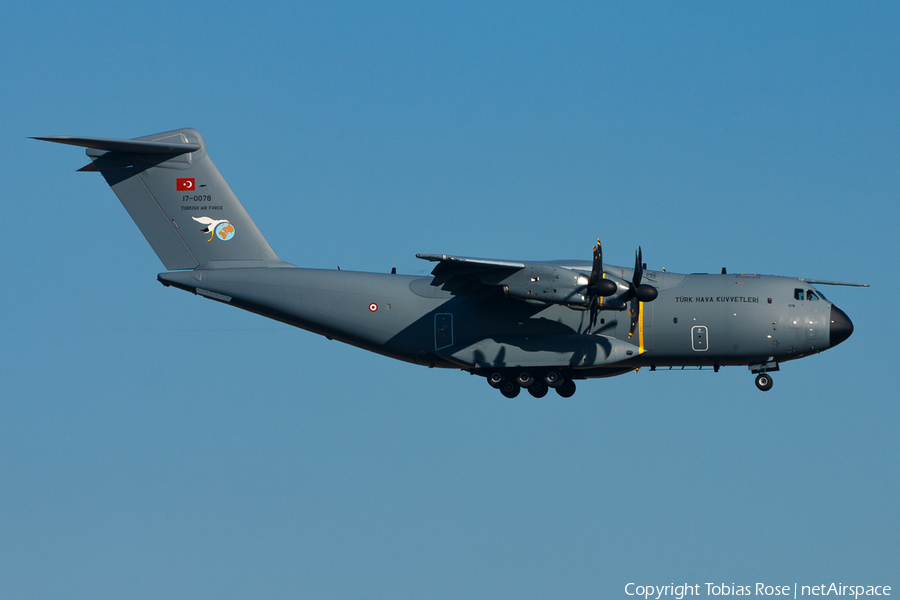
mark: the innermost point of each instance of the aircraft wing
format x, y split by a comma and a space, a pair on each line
454, 266
478, 277
451, 271
446, 259
473, 277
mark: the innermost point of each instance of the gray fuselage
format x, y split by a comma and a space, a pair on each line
697, 320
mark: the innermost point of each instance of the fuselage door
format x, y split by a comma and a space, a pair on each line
698, 338
443, 330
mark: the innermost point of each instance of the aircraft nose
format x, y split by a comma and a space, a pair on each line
841, 327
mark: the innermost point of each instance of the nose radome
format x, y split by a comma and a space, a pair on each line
841, 327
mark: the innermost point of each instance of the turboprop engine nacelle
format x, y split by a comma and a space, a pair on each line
557, 285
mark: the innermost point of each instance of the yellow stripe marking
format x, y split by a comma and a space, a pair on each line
640, 328
602, 276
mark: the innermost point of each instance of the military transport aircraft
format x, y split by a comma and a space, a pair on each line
533, 325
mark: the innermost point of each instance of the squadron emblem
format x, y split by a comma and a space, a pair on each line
220, 228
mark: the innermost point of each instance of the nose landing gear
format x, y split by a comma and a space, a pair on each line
764, 382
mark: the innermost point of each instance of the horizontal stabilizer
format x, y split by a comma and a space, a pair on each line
128, 146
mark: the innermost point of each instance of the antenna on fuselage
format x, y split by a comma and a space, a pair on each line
821, 282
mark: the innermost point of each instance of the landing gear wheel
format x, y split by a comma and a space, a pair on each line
553, 379
495, 379
524, 379
764, 382
510, 389
566, 389
538, 389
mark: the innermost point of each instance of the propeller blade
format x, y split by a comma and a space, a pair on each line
638, 292
595, 289
638, 268
644, 292
597, 268
597, 284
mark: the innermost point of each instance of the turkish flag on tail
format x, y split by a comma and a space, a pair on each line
185, 184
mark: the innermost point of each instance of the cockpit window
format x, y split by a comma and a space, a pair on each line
821, 295
798, 294
811, 295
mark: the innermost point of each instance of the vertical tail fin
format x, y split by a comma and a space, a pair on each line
178, 199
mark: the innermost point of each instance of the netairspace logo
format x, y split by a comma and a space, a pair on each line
760, 589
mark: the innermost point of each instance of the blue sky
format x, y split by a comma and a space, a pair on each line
155, 444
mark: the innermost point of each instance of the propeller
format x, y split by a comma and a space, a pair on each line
639, 292
597, 286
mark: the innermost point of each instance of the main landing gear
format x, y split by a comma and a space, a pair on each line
764, 382
511, 382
